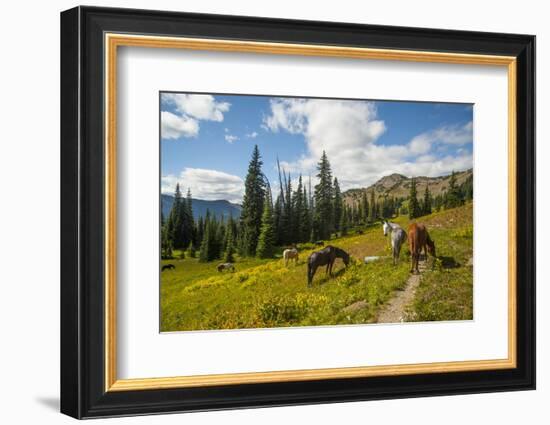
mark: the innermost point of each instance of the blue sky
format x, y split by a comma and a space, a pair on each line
207, 140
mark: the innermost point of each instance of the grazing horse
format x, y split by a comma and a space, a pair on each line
226, 266
419, 240
319, 243
324, 257
398, 237
290, 254
168, 267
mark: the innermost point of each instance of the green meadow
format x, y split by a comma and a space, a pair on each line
266, 293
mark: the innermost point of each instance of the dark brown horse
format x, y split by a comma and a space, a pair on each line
325, 257
419, 240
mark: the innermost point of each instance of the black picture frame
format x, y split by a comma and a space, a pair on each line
82, 206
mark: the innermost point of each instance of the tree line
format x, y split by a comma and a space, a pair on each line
296, 215
454, 196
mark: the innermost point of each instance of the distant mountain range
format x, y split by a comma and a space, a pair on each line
398, 185
219, 208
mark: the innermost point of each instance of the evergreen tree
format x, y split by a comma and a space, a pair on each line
388, 207
386, 211
174, 224
427, 203
187, 221
438, 202
467, 189
229, 244
414, 206
343, 221
206, 250
298, 206
277, 213
286, 224
373, 210
452, 196
266, 241
365, 207
253, 203
165, 244
338, 205
305, 219
199, 231
219, 238
324, 193
192, 250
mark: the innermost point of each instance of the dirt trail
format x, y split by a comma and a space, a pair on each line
394, 310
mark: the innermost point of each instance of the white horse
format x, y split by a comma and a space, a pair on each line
226, 266
398, 237
290, 254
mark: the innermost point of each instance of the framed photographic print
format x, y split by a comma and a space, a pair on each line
261, 212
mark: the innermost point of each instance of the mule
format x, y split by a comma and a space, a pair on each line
398, 237
419, 240
325, 257
290, 254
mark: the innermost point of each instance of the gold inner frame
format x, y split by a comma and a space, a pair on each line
113, 41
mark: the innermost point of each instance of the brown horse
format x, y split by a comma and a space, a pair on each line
419, 240
324, 257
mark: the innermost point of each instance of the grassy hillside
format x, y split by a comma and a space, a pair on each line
265, 293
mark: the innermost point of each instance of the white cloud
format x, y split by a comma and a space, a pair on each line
176, 126
229, 138
447, 135
190, 109
348, 132
252, 135
199, 106
205, 184
420, 144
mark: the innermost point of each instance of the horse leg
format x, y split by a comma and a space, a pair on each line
396, 254
311, 273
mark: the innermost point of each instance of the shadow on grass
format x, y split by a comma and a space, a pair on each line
326, 278
448, 262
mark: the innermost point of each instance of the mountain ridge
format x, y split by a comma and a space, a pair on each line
220, 208
398, 185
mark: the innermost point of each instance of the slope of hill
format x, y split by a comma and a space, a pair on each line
264, 293
219, 208
398, 185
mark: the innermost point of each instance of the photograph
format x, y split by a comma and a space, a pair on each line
281, 210
298, 211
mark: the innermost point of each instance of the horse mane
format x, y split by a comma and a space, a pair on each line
339, 251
